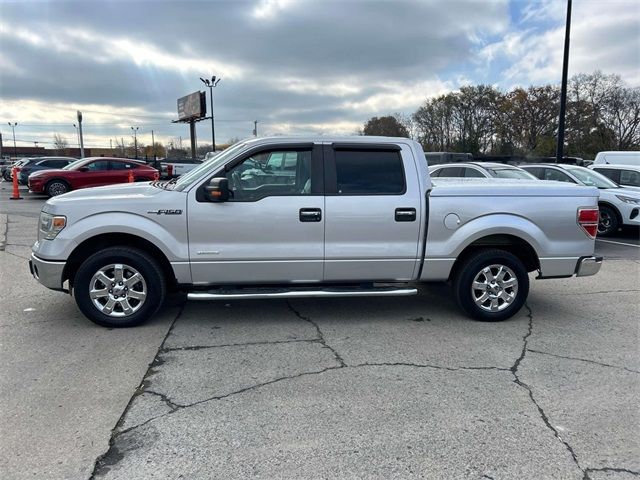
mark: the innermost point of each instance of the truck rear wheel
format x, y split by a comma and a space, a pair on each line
491, 285
119, 287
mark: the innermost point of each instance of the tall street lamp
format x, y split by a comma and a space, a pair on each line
78, 134
135, 140
563, 89
212, 83
13, 127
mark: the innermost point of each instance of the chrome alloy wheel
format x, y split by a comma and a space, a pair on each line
494, 288
118, 290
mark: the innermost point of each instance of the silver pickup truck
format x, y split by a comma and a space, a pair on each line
335, 217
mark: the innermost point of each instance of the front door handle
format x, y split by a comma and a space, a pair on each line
405, 214
310, 214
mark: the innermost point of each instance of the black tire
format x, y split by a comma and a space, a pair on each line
608, 224
57, 187
473, 267
7, 175
145, 265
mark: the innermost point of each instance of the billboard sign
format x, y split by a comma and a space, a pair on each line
192, 106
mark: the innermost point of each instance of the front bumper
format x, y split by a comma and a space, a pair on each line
588, 266
47, 272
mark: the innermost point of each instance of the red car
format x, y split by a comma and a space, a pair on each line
89, 172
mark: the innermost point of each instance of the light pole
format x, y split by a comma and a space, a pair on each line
13, 127
77, 134
212, 83
563, 90
79, 116
135, 140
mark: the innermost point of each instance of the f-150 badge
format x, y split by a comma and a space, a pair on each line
166, 212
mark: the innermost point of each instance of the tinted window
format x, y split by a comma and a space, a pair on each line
473, 173
551, 174
271, 174
535, 171
122, 165
98, 166
59, 163
451, 172
609, 173
630, 177
369, 173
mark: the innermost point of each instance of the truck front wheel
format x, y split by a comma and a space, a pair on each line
119, 287
491, 285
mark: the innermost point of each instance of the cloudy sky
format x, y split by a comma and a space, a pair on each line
319, 66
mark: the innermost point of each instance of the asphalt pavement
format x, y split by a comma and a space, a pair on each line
343, 388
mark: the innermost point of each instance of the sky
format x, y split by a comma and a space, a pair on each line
295, 66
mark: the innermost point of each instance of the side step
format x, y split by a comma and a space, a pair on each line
329, 292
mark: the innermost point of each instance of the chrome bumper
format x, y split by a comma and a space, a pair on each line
47, 272
588, 266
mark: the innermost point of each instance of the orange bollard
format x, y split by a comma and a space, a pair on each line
156, 176
16, 192
130, 176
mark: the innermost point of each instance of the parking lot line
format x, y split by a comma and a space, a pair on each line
619, 243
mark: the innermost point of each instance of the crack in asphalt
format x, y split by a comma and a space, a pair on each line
273, 342
608, 469
583, 360
321, 338
591, 293
517, 381
424, 365
165, 399
102, 461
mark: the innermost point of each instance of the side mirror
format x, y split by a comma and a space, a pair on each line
218, 189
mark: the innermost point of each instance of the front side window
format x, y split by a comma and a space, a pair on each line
630, 177
551, 174
472, 173
271, 173
98, 166
609, 173
369, 173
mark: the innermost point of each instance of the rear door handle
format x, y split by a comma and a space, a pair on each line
310, 215
405, 214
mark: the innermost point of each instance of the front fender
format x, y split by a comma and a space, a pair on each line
167, 232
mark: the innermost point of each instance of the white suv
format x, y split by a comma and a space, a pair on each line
627, 176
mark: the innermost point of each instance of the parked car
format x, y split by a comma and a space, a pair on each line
479, 170
618, 206
358, 217
627, 176
89, 172
42, 163
617, 158
7, 169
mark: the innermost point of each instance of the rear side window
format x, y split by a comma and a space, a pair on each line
59, 163
451, 172
369, 172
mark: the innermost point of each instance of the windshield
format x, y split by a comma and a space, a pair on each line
208, 166
76, 164
511, 173
592, 178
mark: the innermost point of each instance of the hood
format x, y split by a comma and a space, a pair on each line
627, 192
119, 194
48, 171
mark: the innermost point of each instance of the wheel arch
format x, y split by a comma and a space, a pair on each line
501, 241
612, 207
99, 242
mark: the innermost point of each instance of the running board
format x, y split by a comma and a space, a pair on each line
258, 293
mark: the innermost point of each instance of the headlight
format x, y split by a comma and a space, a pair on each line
625, 199
51, 225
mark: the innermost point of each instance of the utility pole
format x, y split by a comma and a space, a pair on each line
15, 149
0, 145
563, 91
255, 128
211, 84
110, 146
135, 140
122, 145
79, 114
153, 145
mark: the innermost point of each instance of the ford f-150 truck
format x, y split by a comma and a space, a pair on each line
334, 217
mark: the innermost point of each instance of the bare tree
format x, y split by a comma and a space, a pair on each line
60, 143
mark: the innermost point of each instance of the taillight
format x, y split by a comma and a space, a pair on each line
588, 220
